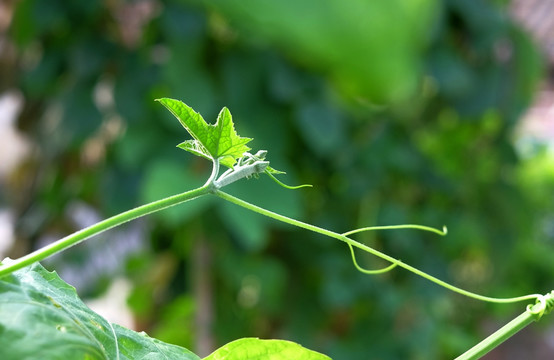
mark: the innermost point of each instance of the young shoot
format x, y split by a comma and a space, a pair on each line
220, 143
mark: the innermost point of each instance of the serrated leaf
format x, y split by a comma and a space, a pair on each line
195, 147
256, 349
41, 317
224, 139
192, 121
217, 141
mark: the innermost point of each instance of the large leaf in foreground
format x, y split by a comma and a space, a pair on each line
257, 349
217, 141
41, 317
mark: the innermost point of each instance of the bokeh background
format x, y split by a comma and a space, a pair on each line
400, 111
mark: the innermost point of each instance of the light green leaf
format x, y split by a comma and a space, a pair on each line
195, 147
41, 317
217, 141
256, 349
224, 139
192, 121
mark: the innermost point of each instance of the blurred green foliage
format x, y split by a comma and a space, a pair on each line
397, 111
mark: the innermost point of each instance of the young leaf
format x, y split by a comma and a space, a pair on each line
224, 139
192, 121
195, 147
41, 317
256, 349
217, 141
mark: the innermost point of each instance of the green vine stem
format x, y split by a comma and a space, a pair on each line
100, 227
370, 250
543, 306
209, 187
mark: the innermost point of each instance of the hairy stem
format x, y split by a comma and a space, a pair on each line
100, 227
370, 250
215, 172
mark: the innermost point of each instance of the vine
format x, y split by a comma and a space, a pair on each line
224, 147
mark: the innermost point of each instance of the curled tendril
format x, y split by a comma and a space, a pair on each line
543, 305
285, 185
390, 227
442, 232
370, 272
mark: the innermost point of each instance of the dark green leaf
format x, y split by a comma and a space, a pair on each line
41, 317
